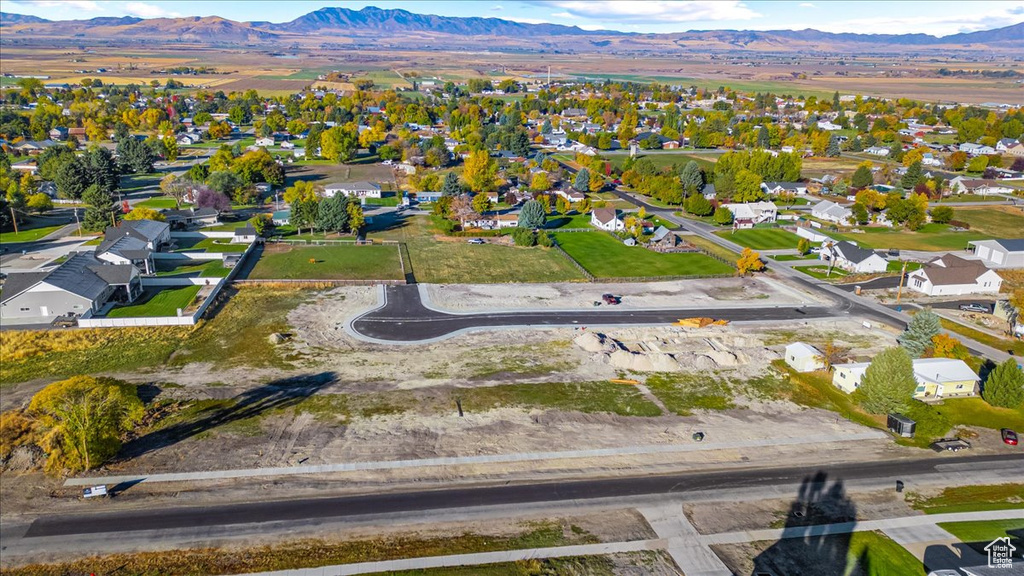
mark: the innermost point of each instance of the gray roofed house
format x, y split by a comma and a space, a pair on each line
853, 258
950, 275
1002, 253
80, 285
133, 242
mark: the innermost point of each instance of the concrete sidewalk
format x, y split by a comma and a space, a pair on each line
487, 459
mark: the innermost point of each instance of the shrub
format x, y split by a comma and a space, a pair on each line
524, 237
960, 224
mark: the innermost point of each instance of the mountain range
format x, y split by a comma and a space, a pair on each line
320, 25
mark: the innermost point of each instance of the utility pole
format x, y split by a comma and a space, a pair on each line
14, 219
899, 291
77, 223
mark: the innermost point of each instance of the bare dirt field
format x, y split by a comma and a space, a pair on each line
716, 292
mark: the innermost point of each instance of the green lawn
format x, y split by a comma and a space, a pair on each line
971, 499
389, 199
985, 531
331, 262
227, 226
160, 302
761, 238
668, 159
897, 265
820, 271
606, 257
454, 260
205, 269
160, 203
135, 182
881, 556
208, 245
994, 221
27, 235
932, 237
569, 221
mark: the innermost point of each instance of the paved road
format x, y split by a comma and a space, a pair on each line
404, 318
348, 506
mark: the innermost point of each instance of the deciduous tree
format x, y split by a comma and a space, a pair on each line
143, 213
749, 261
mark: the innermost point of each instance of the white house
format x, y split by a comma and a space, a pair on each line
828, 126
929, 159
951, 275
354, 189
980, 186
976, 149
751, 213
606, 219
831, 212
798, 188
877, 151
852, 258
804, 357
936, 378
1000, 253
264, 142
507, 220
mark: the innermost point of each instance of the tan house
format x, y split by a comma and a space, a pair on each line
937, 378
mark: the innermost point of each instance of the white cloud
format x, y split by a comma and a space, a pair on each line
526, 20
85, 5
497, 8
973, 18
143, 10
654, 11
807, 5
561, 15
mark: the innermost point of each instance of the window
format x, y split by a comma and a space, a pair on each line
25, 309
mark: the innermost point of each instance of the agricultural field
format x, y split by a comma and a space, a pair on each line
157, 302
761, 238
328, 262
452, 260
606, 257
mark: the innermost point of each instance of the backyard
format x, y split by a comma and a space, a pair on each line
328, 262
157, 302
761, 238
606, 257
191, 268
452, 260
199, 244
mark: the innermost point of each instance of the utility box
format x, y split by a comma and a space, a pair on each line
901, 425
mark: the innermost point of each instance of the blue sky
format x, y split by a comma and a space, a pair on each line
937, 18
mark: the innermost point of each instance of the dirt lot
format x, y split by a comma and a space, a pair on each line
717, 292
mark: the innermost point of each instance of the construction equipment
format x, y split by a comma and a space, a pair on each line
700, 322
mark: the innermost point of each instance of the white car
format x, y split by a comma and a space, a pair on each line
476, 241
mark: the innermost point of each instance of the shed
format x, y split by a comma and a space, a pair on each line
803, 357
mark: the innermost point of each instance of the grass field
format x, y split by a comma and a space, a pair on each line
882, 556
207, 269
161, 302
570, 221
971, 499
1015, 346
761, 238
606, 257
930, 237
668, 159
27, 235
332, 262
984, 531
160, 203
994, 221
208, 245
453, 260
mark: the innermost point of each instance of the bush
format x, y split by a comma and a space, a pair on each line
524, 237
960, 224
942, 214
546, 240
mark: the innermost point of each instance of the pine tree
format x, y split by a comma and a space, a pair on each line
833, 148
924, 326
692, 178
582, 181
764, 139
532, 215
912, 176
862, 177
888, 384
1005, 385
451, 186
332, 215
99, 211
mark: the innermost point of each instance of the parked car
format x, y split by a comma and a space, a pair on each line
1009, 436
476, 241
975, 307
611, 299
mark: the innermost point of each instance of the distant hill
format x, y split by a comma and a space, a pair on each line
401, 27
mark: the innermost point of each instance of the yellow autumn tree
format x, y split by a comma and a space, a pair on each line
749, 261
480, 171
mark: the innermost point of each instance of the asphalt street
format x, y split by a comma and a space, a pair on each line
347, 506
404, 318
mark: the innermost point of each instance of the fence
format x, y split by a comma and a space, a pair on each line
811, 235
316, 283
584, 271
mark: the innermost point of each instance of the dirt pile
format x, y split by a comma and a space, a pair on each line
594, 342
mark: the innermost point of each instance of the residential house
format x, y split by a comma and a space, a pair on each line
191, 216
950, 275
360, 189
798, 188
665, 240
1003, 145
244, 235
134, 242
752, 213
831, 212
976, 149
937, 378
828, 126
980, 186
852, 258
506, 220
82, 284
606, 219
1000, 253
264, 142
59, 133
281, 217
929, 159
877, 151
804, 357
1017, 150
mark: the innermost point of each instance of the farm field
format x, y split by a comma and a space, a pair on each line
160, 302
606, 257
453, 260
328, 262
761, 238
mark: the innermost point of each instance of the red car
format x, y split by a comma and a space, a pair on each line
1009, 436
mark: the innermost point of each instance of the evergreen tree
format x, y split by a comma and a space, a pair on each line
764, 139
912, 176
920, 330
451, 186
332, 215
692, 178
862, 177
533, 215
833, 148
582, 181
99, 211
888, 384
102, 168
71, 179
1005, 385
